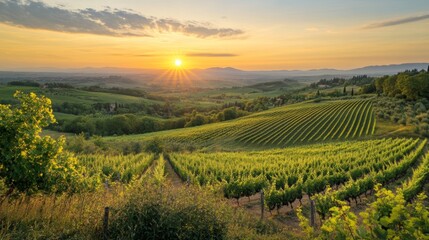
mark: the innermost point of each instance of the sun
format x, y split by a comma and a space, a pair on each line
178, 62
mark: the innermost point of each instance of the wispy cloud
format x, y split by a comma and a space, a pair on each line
211, 55
109, 22
133, 55
394, 22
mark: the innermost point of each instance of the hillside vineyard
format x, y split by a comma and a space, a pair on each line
290, 173
294, 124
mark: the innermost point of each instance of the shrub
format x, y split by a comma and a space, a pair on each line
154, 146
28, 162
165, 213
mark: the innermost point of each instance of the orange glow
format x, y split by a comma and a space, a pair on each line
177, 76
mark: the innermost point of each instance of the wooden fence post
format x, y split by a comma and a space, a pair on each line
262, 204
106, 224
312, 214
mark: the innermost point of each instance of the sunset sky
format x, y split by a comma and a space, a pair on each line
245, 34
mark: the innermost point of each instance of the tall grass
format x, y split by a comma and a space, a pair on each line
143, 210
75, 216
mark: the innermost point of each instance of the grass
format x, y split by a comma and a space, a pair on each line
64, 116
145, 210
386, 128
58, 96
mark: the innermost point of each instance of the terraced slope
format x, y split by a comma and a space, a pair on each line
289, 125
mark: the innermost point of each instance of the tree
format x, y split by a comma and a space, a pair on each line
389, 86
196, 119
408, 86
368, 88
352, 93
379, 83
230, 113
28, 162
344, 90
423, 82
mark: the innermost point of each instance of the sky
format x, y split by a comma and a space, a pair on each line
244, 34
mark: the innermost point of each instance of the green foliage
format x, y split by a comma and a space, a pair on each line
159, 170
28, 162
304, 223
324, 202
368, 88
243, 188
273, 198
101, 168
411, 84
341, 225
389, 217
155, 146
142, 211
24, 83
230, 113
183, 213
117, 125
355, 80
415, 185
196, 120
289, 173
283, 126
404, 112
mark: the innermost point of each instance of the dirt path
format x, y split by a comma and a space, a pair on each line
286, 216
172, 175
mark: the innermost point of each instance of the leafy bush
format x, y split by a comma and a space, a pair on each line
28, 162
388, 217
154, 146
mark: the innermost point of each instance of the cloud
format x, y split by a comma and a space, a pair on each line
394, 22
211, 55
109, 22
133, 55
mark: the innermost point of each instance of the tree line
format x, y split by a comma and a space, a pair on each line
411, 85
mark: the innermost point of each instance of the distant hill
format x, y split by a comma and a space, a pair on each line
269, 86
210, 77
390, 69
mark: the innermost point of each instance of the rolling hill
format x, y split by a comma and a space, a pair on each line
279, 127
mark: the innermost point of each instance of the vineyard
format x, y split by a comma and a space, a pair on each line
325, 178
121, 168
352, 167
290, 125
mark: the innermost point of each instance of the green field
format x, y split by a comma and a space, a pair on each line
59, 96
294, 124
